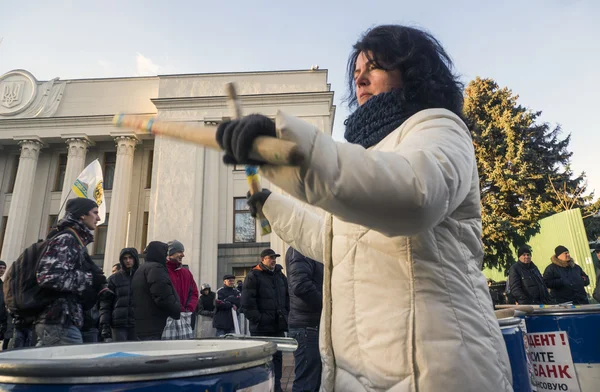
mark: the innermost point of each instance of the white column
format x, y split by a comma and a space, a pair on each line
77, 150
119, 202
209, 253
18, 213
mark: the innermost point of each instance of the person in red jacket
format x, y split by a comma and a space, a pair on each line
182, 278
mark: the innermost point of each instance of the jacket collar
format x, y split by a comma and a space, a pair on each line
261, 267
173, 265
563, 264
68, 222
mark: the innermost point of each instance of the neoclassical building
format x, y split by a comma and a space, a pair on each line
155, 188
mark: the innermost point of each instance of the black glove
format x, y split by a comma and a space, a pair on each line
256, 199
236, 137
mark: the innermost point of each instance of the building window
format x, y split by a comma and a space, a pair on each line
110, 163
13, 174
244, 224
60, 173
100, 237
237, 167
52, 221
3, 230
144, 232
149, 173
241, 272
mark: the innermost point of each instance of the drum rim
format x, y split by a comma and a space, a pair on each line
509, 322
133, 369
563, 312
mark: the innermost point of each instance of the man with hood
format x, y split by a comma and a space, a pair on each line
154, 297
69, 275
566, 279
526, 282
117, 318
266, 303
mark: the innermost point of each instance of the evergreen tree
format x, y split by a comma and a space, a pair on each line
520, 161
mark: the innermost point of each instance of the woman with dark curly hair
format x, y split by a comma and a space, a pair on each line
406, 307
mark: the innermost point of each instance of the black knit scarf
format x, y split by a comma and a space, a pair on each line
377, 118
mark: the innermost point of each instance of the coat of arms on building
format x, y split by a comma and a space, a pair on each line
21, 95
12, 93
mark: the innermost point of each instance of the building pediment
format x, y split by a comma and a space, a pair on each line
22, 96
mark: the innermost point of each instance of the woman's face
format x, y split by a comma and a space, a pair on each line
371, 80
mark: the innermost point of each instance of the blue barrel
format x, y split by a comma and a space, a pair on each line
215, 365
582, 325
515, 345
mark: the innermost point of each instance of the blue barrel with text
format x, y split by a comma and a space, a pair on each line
207, 365
575, 329
515, 345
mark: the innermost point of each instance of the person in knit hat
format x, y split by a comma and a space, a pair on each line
68, 273
526, 282
182, 279
566, 279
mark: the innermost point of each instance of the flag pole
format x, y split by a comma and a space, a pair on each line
61, 208
127, 235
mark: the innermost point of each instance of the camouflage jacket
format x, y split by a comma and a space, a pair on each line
61, 269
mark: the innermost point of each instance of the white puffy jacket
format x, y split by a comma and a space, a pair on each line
405, 304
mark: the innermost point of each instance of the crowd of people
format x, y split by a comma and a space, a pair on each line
136, 302
563, 281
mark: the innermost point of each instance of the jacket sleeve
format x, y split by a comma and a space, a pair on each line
300, 281
220, 303
107, 304
586, 279
287, 295
58, 267
296, 226
552, 277
235, 299
249, 298
162, 292
405, 191
596, 293
516, 286
193, 295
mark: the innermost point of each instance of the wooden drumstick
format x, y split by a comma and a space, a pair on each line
266, 149
504, 313
251, 171
522, 308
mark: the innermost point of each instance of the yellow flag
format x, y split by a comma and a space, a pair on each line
89, 184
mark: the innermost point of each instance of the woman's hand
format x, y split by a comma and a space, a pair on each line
236, 137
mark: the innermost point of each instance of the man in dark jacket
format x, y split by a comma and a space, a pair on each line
526, 282
305, 280
69, 275
117, 318
566, 279
228, 297
154, 297
266, 303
